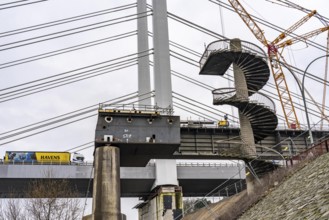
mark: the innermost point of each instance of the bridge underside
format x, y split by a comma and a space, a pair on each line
16, 188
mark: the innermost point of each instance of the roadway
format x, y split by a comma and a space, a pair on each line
195, 179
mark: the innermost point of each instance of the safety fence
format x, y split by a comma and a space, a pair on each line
319, 148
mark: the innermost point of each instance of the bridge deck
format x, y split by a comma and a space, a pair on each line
135, 181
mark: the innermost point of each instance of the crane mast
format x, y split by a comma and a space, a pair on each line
276, 58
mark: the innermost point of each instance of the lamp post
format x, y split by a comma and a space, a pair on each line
302, 88
303, 95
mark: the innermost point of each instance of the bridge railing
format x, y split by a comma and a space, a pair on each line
45, 163
224, 45
133, 108
202, 164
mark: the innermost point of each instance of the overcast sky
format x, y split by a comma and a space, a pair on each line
30, 109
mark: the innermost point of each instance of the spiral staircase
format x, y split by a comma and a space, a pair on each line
250, 60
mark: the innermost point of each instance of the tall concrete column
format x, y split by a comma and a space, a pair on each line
162, 80
106, 189
144, 78
162, 75
248, 148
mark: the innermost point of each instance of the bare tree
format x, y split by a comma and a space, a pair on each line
13, 210
52, 199
2, 217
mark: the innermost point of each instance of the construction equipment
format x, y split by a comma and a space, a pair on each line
276, 58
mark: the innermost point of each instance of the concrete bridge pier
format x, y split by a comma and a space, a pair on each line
106, 190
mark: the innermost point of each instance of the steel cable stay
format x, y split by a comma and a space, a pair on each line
66, 20
125, 64
181, 47
67, 81
29, 128
81, 149
67, 50
23, 4
49, 129
96, 66
85, 108
181, 76
9, 3
72, 31
187, 59
194, 111
61, 118
200, 105
82, 145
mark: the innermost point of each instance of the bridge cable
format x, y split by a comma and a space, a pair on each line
18, 5
76, 31
49, 119
67, 50
66, 20
28, 130
67, 79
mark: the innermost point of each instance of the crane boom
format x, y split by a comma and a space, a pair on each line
251, 24
276, 69
302, 37
293, 27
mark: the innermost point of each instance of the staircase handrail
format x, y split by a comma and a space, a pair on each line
230, 92
225, 45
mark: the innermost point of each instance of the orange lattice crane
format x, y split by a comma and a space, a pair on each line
275, 55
